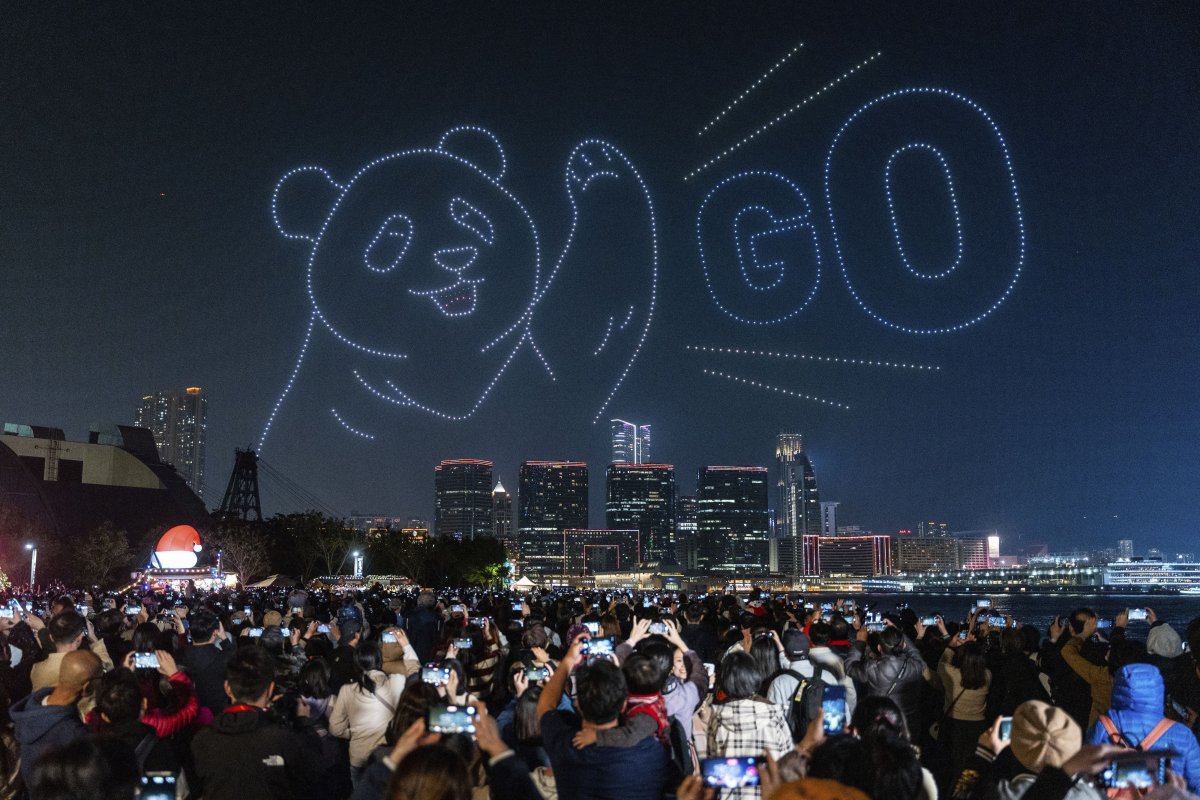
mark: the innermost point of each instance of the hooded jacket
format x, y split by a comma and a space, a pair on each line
41, 728
1137, 706
248, 754
898, 676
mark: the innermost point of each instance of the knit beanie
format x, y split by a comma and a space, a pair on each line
1043, 735
1164, 641
272, 618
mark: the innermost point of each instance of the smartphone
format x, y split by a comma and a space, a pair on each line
827, 606
285, 632
83, 609
463, 642
875, 627
6, 612
435, 674
600, 646
1137, 615
1143, 770
996, 622
535, 674
962, 635
1005, 729
833, 710
593, 628
458, 609
516, 607
450, 719
247, 610
297, 612
145, 661
255, 633
928, 621
322, 628
730, 773
389, 638
157, 786
132, 610
658, 628
1180, 709
479, 622
1104, 624
984, 603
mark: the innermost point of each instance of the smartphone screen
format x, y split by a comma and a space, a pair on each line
435, 674
1005, 729
255, 632
928, 621
535, 674
132, 610
389, 638
984, 603
1137, 615
157, 786
1142, 773
593, 628
602, 646
516, 607
730, 773
463, 643
658, 628
450, 719
145, 661
6, 612
833, 710
322, 628
285, 632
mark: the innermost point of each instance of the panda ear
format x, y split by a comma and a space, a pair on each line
302, 200
477, 146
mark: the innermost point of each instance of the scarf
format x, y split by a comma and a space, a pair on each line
656, 707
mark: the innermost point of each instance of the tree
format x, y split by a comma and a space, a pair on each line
101, 555
243, 550
320, 543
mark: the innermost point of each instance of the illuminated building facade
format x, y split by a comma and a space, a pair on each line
798, 509
502, 513
462, 505
553, 494
731, 517
630, 442
687, 532
850, 556
642, 496
574, 554
178, 421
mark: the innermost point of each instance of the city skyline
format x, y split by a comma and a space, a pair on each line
992, 330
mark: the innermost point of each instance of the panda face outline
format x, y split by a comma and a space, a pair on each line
451, 268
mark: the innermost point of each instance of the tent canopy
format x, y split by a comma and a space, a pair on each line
273, 580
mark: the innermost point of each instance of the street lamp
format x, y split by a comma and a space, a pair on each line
32, 548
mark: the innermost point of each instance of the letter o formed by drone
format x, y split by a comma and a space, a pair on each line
758, 248
924, 211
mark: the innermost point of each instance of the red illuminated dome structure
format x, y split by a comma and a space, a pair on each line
179, 548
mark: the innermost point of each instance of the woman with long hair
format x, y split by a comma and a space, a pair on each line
744, 723
364, 707
965, 681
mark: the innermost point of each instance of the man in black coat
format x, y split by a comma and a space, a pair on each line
424, 626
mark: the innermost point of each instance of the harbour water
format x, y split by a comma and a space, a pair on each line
1039, 609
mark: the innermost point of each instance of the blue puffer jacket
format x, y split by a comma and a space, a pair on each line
1137, 706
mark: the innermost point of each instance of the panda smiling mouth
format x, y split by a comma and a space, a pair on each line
456, 300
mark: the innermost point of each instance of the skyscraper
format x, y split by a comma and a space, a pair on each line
462, 506
687, 531
799, 510
642, 496
553, 494
179, 423
731, 514
1125, 548
502, 513
630, 442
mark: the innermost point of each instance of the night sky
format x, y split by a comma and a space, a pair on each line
140, 145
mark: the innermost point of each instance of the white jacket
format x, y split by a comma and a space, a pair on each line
363, 717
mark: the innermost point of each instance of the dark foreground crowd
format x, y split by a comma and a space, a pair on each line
279, 693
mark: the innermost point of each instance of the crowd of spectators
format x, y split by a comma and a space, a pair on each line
470, 694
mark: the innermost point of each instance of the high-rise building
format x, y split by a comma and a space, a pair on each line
572, 554
553, 494
829, 518
502, 513
912, 554
925, 529
850, 556
642, 496
798, 512
462, 506
731, 514
1125, 548
687, 532
178, 421
630, 442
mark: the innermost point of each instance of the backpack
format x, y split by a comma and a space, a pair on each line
682, 757
1117, 738
806, 700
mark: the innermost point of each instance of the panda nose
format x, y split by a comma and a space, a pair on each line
456, 259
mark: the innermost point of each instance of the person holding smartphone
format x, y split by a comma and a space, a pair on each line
364, 706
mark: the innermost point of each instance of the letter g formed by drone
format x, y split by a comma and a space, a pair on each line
426, 274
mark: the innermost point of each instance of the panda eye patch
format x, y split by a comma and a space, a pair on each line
387, 248
474, 220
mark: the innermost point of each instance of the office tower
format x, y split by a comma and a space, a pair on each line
642, 496
829, 518
851, 556
799, 504
687, 532
462, 507
731, 515
630, 442
911, 554
553, 494
502, 513
179, 423
1125, 548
